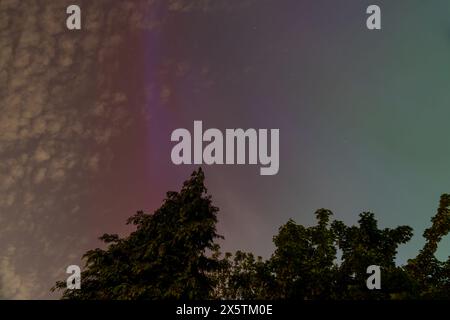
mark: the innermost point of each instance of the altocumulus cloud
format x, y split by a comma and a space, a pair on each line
60, 111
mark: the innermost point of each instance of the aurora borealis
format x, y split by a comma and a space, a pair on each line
86, 118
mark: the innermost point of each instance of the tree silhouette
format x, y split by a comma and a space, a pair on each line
304, 259
164, 258
173, 254
432, 275
366, 245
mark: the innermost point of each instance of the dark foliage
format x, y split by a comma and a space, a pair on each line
173, 254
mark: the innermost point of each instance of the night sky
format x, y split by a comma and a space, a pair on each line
86, 118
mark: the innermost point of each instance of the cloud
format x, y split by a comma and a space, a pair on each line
57, 121
62, 105
14, 285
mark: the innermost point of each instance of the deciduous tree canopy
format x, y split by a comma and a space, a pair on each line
173, 253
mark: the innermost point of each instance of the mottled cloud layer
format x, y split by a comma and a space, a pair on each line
63, 103
59, 111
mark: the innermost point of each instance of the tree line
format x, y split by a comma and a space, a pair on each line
173, 254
